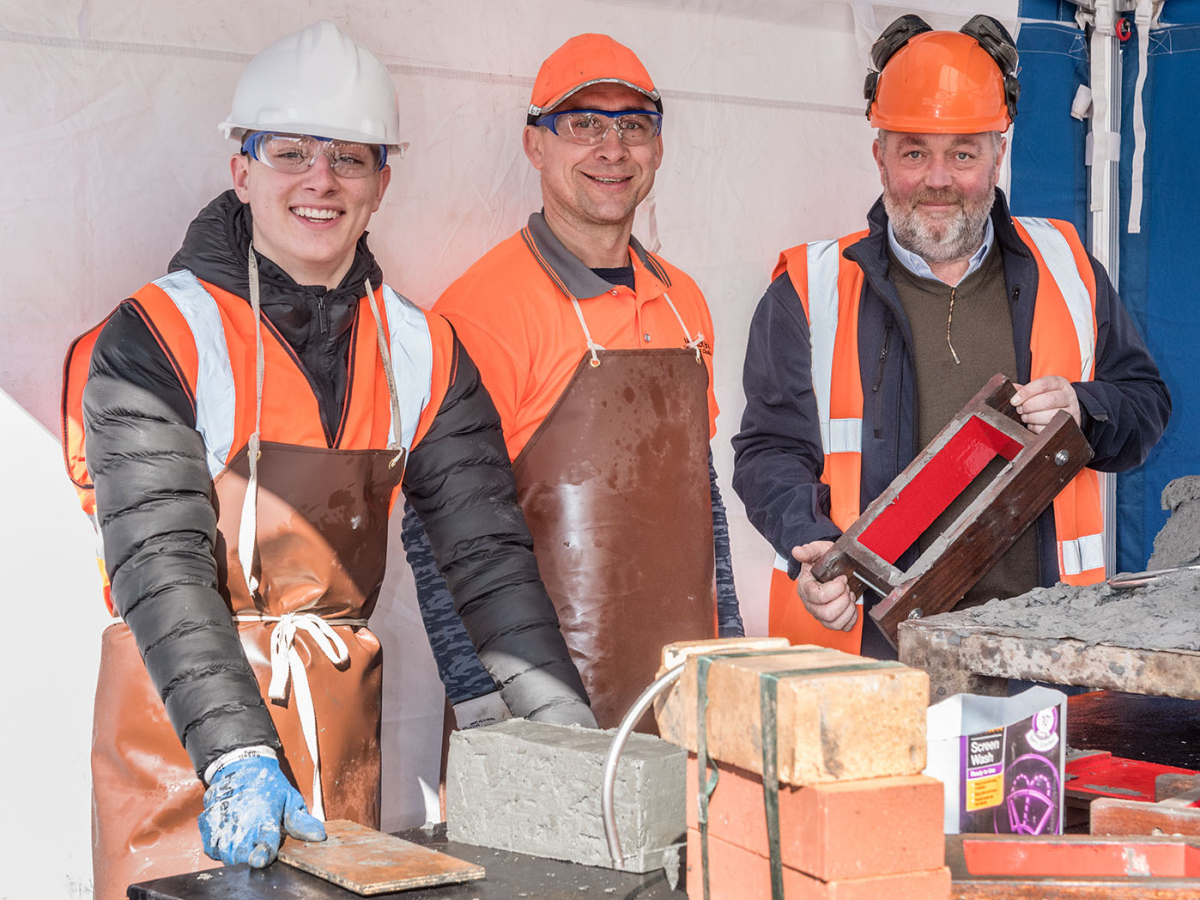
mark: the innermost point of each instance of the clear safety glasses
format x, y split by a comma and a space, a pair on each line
634, 127
295, 153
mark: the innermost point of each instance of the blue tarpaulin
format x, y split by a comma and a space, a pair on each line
1050, 178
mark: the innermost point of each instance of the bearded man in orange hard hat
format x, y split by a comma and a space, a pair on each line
250, 419
865, 347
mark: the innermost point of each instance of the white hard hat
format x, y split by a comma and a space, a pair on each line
316, 81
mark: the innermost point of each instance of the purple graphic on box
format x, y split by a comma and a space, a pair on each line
1011, 777
1031, 797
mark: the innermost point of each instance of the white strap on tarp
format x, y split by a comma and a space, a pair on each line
1105, 145
287, 666
1142, 18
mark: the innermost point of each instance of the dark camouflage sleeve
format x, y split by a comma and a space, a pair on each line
463, 675
729, 614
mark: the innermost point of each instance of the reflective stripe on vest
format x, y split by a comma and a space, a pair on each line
409, 341
411, 348
837, 435
1077, 512
834, 358
1056, 253
215, 391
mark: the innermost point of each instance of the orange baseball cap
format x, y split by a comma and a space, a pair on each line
584, 60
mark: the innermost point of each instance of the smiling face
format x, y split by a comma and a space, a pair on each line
591, 192
938, 190
310, 223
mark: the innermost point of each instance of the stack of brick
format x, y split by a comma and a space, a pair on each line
826, 802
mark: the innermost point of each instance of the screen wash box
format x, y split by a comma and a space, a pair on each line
1001, 760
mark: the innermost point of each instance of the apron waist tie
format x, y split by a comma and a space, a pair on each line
286, 666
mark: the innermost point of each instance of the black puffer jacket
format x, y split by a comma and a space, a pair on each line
153, 498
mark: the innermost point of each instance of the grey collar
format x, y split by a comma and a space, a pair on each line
567, 271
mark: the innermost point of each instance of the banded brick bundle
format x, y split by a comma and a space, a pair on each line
812, 785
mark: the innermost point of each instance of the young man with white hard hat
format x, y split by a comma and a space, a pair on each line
598, 354
865, 347
250, 419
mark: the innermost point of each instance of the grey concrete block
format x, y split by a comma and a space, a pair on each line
535, 788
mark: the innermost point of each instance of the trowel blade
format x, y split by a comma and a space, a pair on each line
1130, 580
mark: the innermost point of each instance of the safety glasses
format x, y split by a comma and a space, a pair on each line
634, 127
295, 153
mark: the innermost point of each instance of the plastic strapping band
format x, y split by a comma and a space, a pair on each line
768, 706
769, 709
706, 785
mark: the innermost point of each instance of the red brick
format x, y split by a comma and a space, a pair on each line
848, 829
737, 874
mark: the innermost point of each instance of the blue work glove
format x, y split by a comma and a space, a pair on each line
244, 809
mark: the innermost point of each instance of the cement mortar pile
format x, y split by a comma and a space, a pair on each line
1161, 615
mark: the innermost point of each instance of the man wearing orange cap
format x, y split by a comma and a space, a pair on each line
598, 355
863, 348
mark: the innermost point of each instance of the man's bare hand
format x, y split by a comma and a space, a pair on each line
831, 603
1038, 401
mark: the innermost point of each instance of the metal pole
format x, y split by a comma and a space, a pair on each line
1104, 198
635, 713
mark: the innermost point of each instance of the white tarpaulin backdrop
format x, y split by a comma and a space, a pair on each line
110, 147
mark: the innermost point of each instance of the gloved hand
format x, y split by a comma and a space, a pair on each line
244, 808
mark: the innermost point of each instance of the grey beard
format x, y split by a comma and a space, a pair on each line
962, 236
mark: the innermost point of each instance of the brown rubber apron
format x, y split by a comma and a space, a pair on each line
614, 484
321, 551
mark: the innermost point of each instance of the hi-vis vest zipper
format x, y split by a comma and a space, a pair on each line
830, 288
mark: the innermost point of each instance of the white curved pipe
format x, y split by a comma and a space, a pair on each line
614, 755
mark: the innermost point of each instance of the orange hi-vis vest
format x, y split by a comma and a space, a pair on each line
830, 289
208, 336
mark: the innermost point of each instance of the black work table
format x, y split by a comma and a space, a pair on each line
509, 876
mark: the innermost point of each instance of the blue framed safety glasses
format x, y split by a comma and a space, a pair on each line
295, 153
634, 127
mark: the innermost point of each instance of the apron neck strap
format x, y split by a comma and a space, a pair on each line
386, 355
692, 343
586, 333
247, 529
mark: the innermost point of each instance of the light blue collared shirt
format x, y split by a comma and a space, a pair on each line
917, 265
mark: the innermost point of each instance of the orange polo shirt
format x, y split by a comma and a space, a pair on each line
512, 310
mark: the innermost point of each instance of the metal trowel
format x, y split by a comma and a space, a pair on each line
1130, 580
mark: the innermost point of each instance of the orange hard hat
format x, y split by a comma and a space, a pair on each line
584, 60
943, 82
